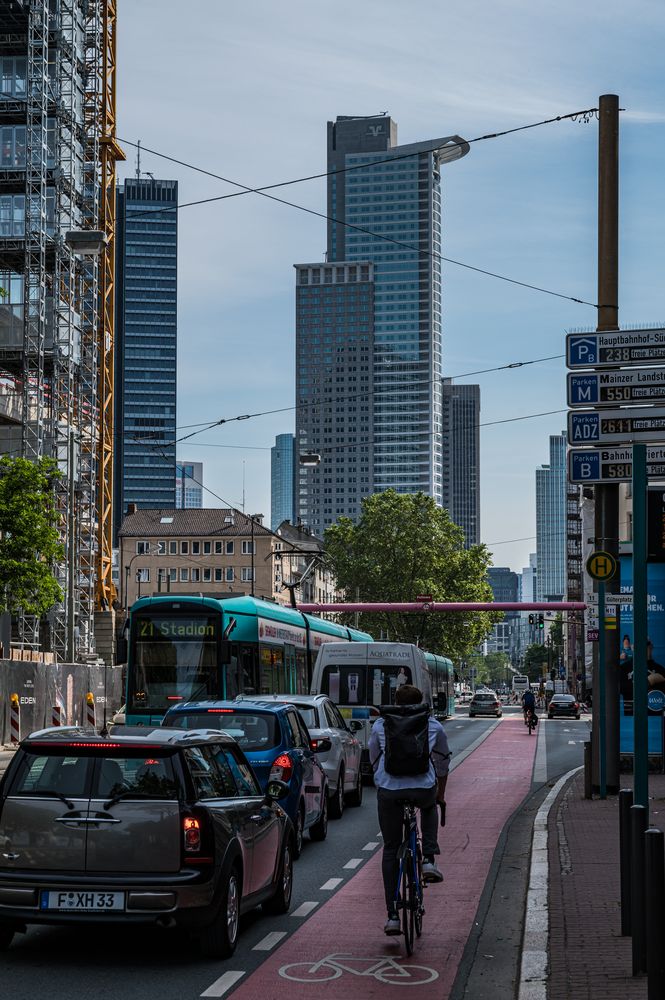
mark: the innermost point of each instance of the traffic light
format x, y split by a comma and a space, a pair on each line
541, 621
532, 619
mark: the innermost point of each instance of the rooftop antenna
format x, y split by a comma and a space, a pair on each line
138, 160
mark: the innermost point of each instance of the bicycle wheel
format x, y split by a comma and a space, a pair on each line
407, 896
417, 902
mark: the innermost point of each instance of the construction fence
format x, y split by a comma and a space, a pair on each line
35, 694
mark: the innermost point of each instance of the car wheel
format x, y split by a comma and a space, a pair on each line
549, 716
281, 901
472, 715
219, 939
337, 800
299, 831
319, 831
355, 798
7, 932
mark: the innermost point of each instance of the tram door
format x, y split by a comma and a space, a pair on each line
290, 669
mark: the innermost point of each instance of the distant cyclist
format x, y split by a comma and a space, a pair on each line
528, 703
419, 775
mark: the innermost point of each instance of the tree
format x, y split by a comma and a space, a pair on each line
535, 661
404, 546
29, 543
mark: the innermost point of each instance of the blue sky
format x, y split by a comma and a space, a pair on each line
245, 90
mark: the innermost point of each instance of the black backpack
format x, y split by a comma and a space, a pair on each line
406, 729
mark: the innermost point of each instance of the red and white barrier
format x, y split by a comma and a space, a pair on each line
14, 719
56, 715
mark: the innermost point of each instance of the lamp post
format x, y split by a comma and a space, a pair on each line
150, 552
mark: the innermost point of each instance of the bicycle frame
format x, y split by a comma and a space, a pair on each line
409, 872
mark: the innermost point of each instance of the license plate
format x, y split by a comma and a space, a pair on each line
82, 901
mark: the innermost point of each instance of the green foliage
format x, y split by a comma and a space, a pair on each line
403, 546
491, 669
29, 542
535, 661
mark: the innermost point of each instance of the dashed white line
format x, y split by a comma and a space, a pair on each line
371, 845
332, 883
305, 909
353, 863
269, 941
224, 983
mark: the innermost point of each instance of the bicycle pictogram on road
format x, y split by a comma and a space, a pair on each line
389, 971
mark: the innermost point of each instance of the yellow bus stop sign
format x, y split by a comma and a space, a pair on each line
601, 565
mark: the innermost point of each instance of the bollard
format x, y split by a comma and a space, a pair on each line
56, 715
588, 793
625, 804
655, 913
14, 719
638, 825
90, 718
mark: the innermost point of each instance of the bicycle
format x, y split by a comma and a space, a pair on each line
530, 720
409, 893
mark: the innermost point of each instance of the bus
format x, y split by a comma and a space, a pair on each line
185, 648
520, 684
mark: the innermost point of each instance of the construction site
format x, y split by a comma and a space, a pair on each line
58, 154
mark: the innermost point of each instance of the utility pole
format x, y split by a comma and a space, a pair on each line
606, 496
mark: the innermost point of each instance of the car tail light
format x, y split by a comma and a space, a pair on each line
195, 840
191, 828
314, 744
575, 705
282, 768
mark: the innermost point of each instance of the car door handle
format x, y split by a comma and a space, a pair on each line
257, 818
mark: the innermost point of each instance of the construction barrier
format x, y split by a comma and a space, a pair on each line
14, 719
90, 719
56, 715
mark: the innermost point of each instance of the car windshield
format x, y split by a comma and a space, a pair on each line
252, 730
563, 699
485, 697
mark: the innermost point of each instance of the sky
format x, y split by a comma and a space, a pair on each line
244, 90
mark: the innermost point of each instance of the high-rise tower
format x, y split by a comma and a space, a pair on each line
384, 209
551, 523
461, 457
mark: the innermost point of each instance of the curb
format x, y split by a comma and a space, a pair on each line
533, 971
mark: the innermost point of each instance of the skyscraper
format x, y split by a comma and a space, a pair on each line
551, 523
461, 457
282, 481
384, 208
145, 356
188, 484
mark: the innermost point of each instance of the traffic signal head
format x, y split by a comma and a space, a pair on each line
532, 619
541, 621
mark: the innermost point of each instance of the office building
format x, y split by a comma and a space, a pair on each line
282, 480
145, 356
188, 484
461, 457
551, 523
384, 209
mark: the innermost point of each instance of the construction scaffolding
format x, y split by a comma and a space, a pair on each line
56, 333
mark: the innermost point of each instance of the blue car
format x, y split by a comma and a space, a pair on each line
276, 741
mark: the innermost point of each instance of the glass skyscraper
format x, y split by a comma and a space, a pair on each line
384, 207
145, 346
282, 481
188, 484
461, 457
551, 523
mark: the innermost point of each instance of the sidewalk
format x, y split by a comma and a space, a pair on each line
588, 957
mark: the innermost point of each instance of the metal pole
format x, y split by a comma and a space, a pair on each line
71, 552
588, 783
625, 804
638, 825
602, 694
655, 913
640, 686
606, 529
252, 562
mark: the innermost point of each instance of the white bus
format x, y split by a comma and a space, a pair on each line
520, 684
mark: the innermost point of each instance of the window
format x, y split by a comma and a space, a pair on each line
242, 773
247, 574
196, 548
211, 780
196, 575
207, 548
219, 548
230, 575
249, 548
173, 548
184, 575
206, 575
218, 575
143, 575
297, 730
229, 548
184, 548
173, 575
142, 548
161, 548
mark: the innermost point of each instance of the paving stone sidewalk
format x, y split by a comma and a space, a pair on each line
588, 956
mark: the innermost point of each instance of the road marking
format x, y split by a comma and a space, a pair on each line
353, 863
305, 909
540, 763
269, 941
371, 845
332, 883
224, 983
572, 742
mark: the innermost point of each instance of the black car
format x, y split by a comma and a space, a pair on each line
153, 826
563, 705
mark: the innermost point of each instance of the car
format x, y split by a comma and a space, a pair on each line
342, 762
485, 702
277, 743
156, 826
563, 705
118, 718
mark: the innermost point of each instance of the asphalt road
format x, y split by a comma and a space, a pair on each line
157, 964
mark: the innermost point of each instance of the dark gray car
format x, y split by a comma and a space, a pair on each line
157, 826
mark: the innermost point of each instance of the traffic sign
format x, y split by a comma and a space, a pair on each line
592, 635
622, 426
612, 465
601, 565
641, 385
615, 348
656, 701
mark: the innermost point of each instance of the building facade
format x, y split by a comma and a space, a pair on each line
551, 523
461, 457
282, 480
188, 484
505, 588
146, 345
384, 210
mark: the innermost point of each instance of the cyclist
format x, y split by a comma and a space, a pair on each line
528, 703
426, 790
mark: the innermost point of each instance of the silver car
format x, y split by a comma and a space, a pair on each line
342, 763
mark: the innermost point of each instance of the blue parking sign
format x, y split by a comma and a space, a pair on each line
584, 428
582, 351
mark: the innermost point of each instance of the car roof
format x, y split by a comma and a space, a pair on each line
241, 704
131, 735
281, 699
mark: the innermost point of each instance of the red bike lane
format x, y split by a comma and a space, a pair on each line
341, 950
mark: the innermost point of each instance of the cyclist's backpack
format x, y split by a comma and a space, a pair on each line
406, 729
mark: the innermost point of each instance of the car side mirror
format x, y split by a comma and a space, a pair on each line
277, 789
355, 726
321, 746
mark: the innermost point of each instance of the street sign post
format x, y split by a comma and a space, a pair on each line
644, 424
615, 348
601, 566
612, 465
612, 388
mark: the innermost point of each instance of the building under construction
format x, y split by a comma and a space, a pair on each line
57, 204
